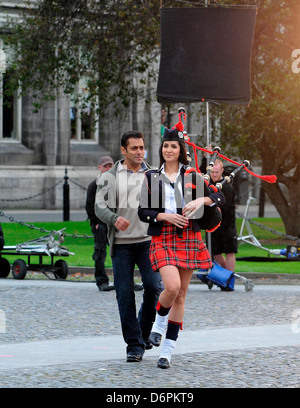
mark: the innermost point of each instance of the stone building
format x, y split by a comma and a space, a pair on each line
38, 149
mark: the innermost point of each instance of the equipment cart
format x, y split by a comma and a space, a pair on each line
38, 248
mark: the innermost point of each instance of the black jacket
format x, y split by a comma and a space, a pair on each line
152, 198
1, 238
229, 207
90, 204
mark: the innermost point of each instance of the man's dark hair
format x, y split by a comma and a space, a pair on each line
130, 134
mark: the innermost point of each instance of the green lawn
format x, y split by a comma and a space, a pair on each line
83, 246
268, 240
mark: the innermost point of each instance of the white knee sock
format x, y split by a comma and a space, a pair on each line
160, 324
167, 349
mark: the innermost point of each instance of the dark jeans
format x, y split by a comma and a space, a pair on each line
99, 255
134, 328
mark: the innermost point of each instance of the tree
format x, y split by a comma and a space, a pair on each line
268, 130
60, 42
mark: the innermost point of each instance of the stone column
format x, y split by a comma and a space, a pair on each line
50, 133
63, 130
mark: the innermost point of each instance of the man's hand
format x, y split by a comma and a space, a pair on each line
122, 224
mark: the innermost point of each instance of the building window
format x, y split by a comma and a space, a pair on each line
83, 118
10, 106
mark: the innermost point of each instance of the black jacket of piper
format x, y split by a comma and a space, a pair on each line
152, 198
229, 207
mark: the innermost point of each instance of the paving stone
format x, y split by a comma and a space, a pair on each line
39, 311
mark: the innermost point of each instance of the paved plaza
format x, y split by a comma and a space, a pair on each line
56, 334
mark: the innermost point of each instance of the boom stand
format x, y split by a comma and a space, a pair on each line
250, 238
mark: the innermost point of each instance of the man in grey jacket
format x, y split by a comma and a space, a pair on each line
116, 204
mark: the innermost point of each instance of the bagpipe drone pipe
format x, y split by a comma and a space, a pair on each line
212, 215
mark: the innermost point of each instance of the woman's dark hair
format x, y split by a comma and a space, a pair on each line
128, 135
182, 155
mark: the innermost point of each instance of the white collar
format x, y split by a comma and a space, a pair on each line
162, 169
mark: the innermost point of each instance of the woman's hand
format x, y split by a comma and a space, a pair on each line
175, 219
190, 208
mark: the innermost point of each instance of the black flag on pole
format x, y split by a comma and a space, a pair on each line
206, 55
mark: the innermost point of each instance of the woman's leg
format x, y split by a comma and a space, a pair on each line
171, 280
177, 311
172, 283
175, 320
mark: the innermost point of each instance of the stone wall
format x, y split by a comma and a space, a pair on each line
41, 187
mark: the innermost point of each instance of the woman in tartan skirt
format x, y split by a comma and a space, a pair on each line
177, 248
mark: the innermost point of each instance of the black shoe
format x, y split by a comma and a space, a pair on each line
104, 287
210, 284
138, 287
163, 363
134, 357
155, 338
148, 343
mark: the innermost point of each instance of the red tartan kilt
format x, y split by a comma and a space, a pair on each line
188, 252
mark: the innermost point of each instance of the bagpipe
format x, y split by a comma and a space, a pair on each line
212, 216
